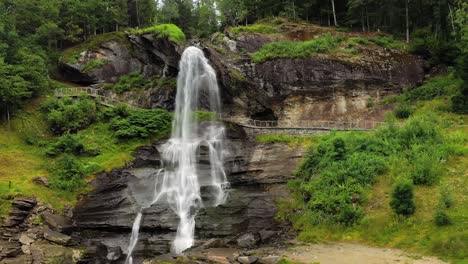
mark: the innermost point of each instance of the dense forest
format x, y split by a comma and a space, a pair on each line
33, 32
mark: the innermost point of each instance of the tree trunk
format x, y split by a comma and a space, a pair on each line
407, 21
367, 20
8, 116
362, 21
451, 17
137, 13
334, 13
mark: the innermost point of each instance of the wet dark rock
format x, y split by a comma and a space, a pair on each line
56, 237
43, 252
114, 253
22, 207
248, 240
105, 216
266, 235
9, 249
213, 243
57, 222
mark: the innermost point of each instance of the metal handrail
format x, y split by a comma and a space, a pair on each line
93, 92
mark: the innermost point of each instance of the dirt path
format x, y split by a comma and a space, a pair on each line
348, 253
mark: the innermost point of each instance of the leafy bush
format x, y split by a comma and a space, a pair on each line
67, 174
168, 31
127, 82
441, 218
296, 50
142, 124
70, 144
94, 64
64, 115
435, 87
402, 201
335, 175
446, 198
259, 28
403, 111
426, 168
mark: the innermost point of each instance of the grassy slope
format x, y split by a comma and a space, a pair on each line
20, 162
418, 233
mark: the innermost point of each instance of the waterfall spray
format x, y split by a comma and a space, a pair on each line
179, 182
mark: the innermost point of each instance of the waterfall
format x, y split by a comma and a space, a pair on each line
180, 181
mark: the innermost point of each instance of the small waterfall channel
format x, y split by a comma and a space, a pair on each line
180, 182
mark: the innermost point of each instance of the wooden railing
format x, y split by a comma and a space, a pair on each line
307, 124
89, 91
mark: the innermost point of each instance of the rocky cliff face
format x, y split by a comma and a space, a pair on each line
257, 173
326, 86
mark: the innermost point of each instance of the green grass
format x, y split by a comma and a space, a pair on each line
94, 64
296, 50
169, 31
23, 157
71, 55
387, 41
259, 28
307, 140
435, 149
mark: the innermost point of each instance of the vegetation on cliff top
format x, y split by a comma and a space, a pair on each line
169, 31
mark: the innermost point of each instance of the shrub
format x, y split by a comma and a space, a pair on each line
142, 124
94, 64
436, 50
402, 201
67, 174
435, 87
296, 50
64, 115
128, 82
403, 111
426, 168
446, 198
168, 31
70, 144
334, 176
441, 218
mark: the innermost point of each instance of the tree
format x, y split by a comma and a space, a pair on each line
233, 12
402, 201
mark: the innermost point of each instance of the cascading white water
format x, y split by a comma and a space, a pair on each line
180, 180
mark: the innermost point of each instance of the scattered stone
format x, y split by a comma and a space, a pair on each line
26, 249
25, 239
114, 253
41, 181
248, 240
266, 235
43, 252
213, 243
269, 260
247, 259
26, 200
57, 222
56, 237
9, 249
233, 258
